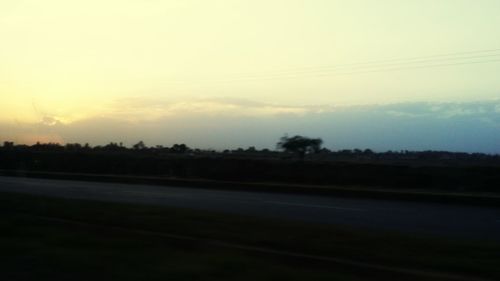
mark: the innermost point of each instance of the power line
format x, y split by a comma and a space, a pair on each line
362, 71
333, 69
375, 66
458, 54
418, 67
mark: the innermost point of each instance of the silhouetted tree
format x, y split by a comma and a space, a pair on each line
73, 147
140, 145
179, 148
368, 151
47, 146
251, 149
8, 144
112, 146
324, 150
299, 145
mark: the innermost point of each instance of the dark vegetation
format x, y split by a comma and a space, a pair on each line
299, 160
123, 242
300, 145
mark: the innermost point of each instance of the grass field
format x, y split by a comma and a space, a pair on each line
59, 239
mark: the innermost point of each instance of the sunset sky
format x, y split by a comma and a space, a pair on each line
381, 74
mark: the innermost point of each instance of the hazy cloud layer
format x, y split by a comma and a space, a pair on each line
230, 123
140, 108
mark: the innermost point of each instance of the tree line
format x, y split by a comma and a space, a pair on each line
295, 147
296, 160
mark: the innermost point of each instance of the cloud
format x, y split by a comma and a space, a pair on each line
226, 123
147, 108
50, 121
405, 114
475, 110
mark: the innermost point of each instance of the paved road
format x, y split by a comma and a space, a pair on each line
408, 217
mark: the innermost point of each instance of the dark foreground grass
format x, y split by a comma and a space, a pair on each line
109, 247
36, 250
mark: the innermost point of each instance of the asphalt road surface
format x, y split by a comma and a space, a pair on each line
408, 217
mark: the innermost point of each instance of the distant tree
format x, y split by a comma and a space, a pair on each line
47, 146
325, 150
8, 144
299, 145
73, 147
251, 149
345, 151
112, 146
368, 151
140, 145
179, 148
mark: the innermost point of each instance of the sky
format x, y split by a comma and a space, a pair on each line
230, 73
